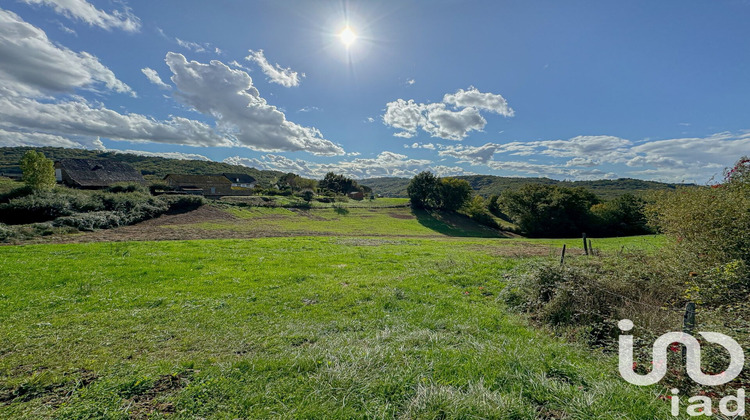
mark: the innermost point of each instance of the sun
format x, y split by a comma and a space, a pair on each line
348, 36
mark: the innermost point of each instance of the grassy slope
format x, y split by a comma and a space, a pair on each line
287, 328
487, 185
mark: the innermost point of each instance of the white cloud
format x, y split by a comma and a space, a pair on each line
384, 164
84, 11
452, 125
154, 78
440, 121
550, 170
476, 99
581, 162
79, 118
229, 96
168, 155
309, 109
416, 145
31, 65
252, 163
284, 76
468, 154
16, 138
192, 46
410, 82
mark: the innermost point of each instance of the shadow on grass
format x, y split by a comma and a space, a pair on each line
452, 224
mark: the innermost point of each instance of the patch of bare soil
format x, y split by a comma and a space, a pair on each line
145, 405
52, 394
402, 216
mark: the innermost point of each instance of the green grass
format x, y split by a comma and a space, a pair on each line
306, 327
348, 222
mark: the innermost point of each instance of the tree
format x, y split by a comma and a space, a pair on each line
38, 171
622, 216
546, 210
423, 190
338, 184
454, 193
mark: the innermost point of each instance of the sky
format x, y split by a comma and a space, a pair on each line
575, 90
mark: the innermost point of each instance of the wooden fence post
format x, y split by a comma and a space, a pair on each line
688, 323
562, 256
585, 245
591, 248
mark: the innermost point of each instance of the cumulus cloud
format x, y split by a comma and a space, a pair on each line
229, 96
17, 138
283, 76
589, 157
84, 11
440, 121
168, 155
416, 145
472, 97
79, 118
31, 65
154, 78
473, 155
384, 164
550, 170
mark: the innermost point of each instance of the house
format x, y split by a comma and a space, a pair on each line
15, 175
241, 180
200, 184
356, 195
95, 173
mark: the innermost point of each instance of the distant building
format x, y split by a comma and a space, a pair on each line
356, 195
200, 184
95, 173
15, 175
241, 180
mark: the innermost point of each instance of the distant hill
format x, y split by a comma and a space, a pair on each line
153, 168
487, 185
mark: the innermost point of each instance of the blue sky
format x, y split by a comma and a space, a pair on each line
567, 90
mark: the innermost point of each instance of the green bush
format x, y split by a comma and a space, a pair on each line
39, 207
92, 221
590, 296
127, 187
183, 203
549, 211
16, 193
477, 211
6, 232
710, 231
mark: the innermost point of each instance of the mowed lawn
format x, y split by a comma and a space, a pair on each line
300, 327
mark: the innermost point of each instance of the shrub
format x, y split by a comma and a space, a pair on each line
6, 232
477, 211
126, 187
39, 207
183, 203
590, 296
92, 221
16, 193
710, 231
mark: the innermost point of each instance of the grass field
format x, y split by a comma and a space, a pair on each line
303, 327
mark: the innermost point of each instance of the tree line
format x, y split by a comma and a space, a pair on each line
538, 210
